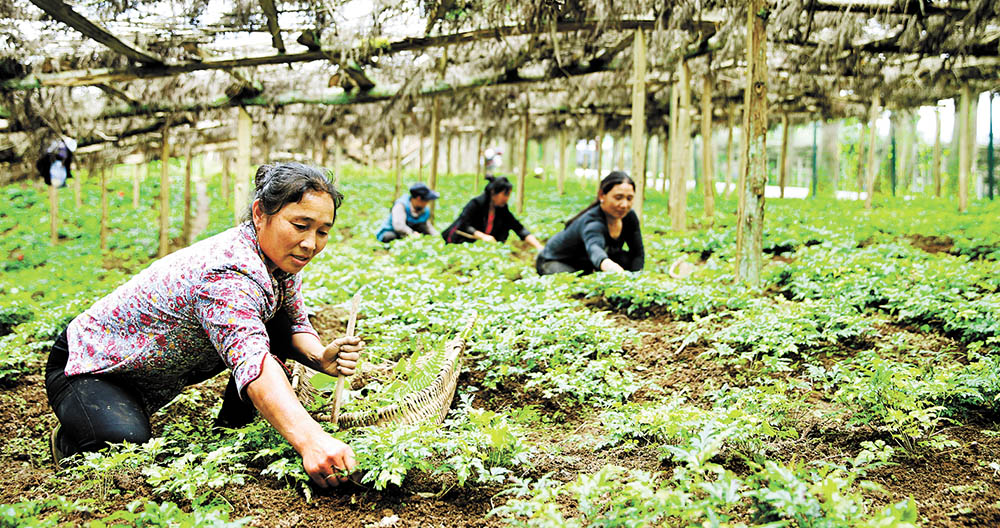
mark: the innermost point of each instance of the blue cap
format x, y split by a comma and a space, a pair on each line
421, 190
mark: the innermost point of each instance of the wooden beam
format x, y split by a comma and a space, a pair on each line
966, 141
783, 161
58, 10
271, 12
106, 75
435, 145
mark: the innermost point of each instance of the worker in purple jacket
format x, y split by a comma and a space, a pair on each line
230, 302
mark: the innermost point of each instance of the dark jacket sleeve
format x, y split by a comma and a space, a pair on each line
636, 251
592, 233
462, 223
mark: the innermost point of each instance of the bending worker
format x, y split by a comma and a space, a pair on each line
409, 214
232, 301
595, 239
486, 217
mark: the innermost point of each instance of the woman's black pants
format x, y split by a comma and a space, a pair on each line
97, 410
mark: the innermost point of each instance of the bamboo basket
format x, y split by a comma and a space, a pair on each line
428, 404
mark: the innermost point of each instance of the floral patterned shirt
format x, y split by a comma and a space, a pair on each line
190, 313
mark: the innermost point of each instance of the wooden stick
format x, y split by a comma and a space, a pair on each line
339, 391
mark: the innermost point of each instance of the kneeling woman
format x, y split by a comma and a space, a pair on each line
486, 217
232, 301
595, 239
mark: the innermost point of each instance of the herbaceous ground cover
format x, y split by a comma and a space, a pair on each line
857, 387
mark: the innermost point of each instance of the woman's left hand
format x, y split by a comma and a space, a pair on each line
341, 356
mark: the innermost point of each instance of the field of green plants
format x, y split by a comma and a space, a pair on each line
859, 386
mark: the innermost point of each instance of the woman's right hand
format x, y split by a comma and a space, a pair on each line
327, 460
612, 266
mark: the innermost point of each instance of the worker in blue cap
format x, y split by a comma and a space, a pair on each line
409, 214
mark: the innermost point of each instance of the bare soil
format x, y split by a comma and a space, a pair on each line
952, 488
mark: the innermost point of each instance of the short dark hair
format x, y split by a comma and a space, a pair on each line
281, 184
497, 185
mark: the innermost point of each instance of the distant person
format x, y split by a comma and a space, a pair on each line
492, 160
486, 217
595, 239
409, 215
55, 164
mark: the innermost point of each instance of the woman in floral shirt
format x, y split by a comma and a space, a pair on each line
232, 301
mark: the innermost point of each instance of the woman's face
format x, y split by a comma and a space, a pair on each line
295, 234
617, 202
500, 199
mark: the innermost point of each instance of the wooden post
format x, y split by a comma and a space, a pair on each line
815, 176
324, 150
243, 176
226, 182
965, 142
990, 181
783, 168
707, 157
729, 153
750, 241
639, 120
872, 160
675, 103
187, 195
665, 154
164, 192
397, 154
860, 169
420, 157
77, 184
135, 185
480, 162
104, 210
435, 146
448, 167
936, 160
681, 156
53, 214
521, 191
599, 162
561, 180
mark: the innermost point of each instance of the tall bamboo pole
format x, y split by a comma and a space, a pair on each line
420, 157
77, 184
53, 214
448, 167
397, 153
561, 180
682, 155
599, 163
135, 183
164, 193
666, 160
990, 160
750, 242
104, 210
729, 152
243, 177
521, 191
783, 169
860, 168
872, 161
965, 140
480, 162
707, 153
227, 184
435, 146
639, 120
187, 195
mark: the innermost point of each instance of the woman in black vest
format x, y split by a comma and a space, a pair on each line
486, 217
595, 239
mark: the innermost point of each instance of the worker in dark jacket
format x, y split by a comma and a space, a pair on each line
486, 217
595, 239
